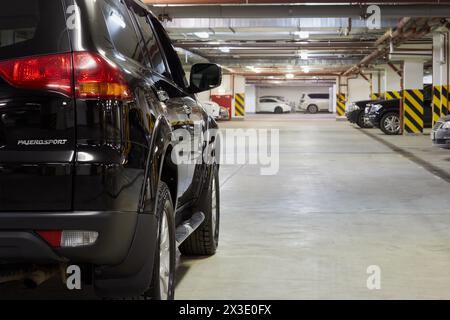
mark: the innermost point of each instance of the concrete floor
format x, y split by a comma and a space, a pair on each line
341, 202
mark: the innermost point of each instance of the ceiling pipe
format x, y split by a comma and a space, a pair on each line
243, 9
407, 29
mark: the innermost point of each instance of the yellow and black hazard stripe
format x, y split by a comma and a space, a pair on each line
413, 102
340, 104
375, 96
445, 100
437, 106
391, 95
239, 105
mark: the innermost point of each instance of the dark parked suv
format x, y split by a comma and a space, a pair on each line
385, 114
95, 118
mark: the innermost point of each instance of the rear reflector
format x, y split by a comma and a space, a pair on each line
52, 72
68, 238
53, 237
95, 77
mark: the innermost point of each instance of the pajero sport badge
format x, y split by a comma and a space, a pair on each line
56, 142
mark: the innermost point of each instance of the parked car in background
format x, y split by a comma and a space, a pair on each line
212, 108
89, 172
272, 104
224, 114
355, 113
440, 135
314, 102
385, 114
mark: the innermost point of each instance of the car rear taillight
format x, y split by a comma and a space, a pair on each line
52, 72
95, 77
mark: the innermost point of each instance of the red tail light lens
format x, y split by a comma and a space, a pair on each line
52, 72
52, 237
97, 78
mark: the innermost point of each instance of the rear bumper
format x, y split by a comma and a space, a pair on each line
20, 243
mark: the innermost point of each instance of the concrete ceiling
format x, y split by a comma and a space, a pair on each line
266, 42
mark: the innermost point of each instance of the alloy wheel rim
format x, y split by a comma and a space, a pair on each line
214, 205
392, 124
164, 258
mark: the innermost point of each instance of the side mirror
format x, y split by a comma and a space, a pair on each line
204, 77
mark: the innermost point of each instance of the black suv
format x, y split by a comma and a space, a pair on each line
95, 115
385, 114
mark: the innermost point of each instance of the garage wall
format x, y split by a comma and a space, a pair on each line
291, 93
250, 98
358, 89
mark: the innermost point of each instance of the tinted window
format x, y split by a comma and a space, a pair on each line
121, 30
176, 69
32, 27
319, 96
150, 43
267, 100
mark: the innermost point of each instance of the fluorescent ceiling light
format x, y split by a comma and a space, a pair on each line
304, 55
290, 76
202, 35
302, 34
224, 49
306, 69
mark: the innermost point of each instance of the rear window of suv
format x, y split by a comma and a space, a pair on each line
319, 96
32, 27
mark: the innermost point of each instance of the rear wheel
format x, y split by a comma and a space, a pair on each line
313, 108
390, 123
205, 240
163, 280
278, 110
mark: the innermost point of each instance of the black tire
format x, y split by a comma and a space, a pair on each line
205, 240
165, 210
361, 122
312, 108
385, 123
278, 110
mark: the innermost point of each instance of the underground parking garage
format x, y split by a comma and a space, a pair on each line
224, 150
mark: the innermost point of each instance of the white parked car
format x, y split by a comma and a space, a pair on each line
211, 108
314, 102
272, 104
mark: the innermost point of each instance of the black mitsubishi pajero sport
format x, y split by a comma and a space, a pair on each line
92, 95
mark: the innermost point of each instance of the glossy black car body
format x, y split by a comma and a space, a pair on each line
70, 163
393, 106
356, 114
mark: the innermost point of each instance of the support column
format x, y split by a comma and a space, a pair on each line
239, 97
413, 99
376, 82
441, 72
341, 96
392, 82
